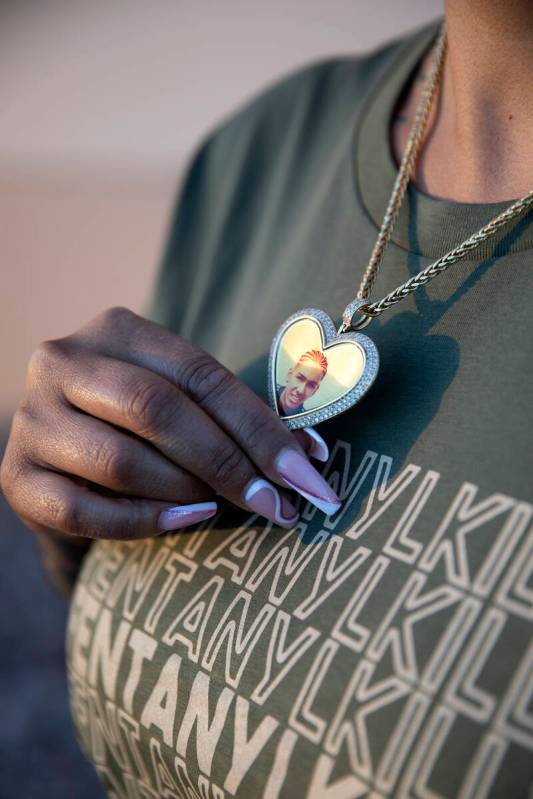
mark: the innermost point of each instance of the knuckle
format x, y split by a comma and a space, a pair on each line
12, 471
65, 513
204, 377
25, 420
49, 355
112, 462
148, 406
118, 321
69, 513
117, 315
228, 464
115, 321
255, 429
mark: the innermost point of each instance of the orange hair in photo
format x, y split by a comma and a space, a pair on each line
317, 357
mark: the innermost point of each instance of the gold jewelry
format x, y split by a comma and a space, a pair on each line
309, 397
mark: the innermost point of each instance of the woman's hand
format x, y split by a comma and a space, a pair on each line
127, 430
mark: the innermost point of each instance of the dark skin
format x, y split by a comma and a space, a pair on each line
477, 148
123, 419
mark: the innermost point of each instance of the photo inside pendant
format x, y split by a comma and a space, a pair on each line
310, 376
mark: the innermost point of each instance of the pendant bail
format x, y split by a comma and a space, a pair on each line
355, 309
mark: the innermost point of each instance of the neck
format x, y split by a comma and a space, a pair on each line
478, 146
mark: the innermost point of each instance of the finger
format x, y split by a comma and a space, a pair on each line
111, 458
155, 410
63, 505
228, 401
312, 443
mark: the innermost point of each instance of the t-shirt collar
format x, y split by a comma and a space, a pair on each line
426, 225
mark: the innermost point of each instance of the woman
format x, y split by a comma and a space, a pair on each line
382, 648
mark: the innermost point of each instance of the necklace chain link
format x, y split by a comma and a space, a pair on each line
414, 143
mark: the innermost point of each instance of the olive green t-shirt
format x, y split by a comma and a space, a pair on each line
384, 650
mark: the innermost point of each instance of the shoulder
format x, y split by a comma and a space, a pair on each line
259, 165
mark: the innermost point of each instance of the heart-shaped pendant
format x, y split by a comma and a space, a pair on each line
315, 372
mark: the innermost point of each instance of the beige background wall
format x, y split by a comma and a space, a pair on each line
101, 102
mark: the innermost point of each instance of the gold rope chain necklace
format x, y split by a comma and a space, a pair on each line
317, 371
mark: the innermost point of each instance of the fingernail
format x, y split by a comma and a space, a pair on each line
184, 515
319, 448
263, 498
297, 472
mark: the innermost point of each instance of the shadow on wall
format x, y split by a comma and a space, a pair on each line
38, 748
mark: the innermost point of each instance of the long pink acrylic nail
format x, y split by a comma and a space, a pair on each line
263, 498
319, 448
296, 471
184, 515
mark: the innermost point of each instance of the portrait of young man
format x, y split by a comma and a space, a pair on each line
302, 382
